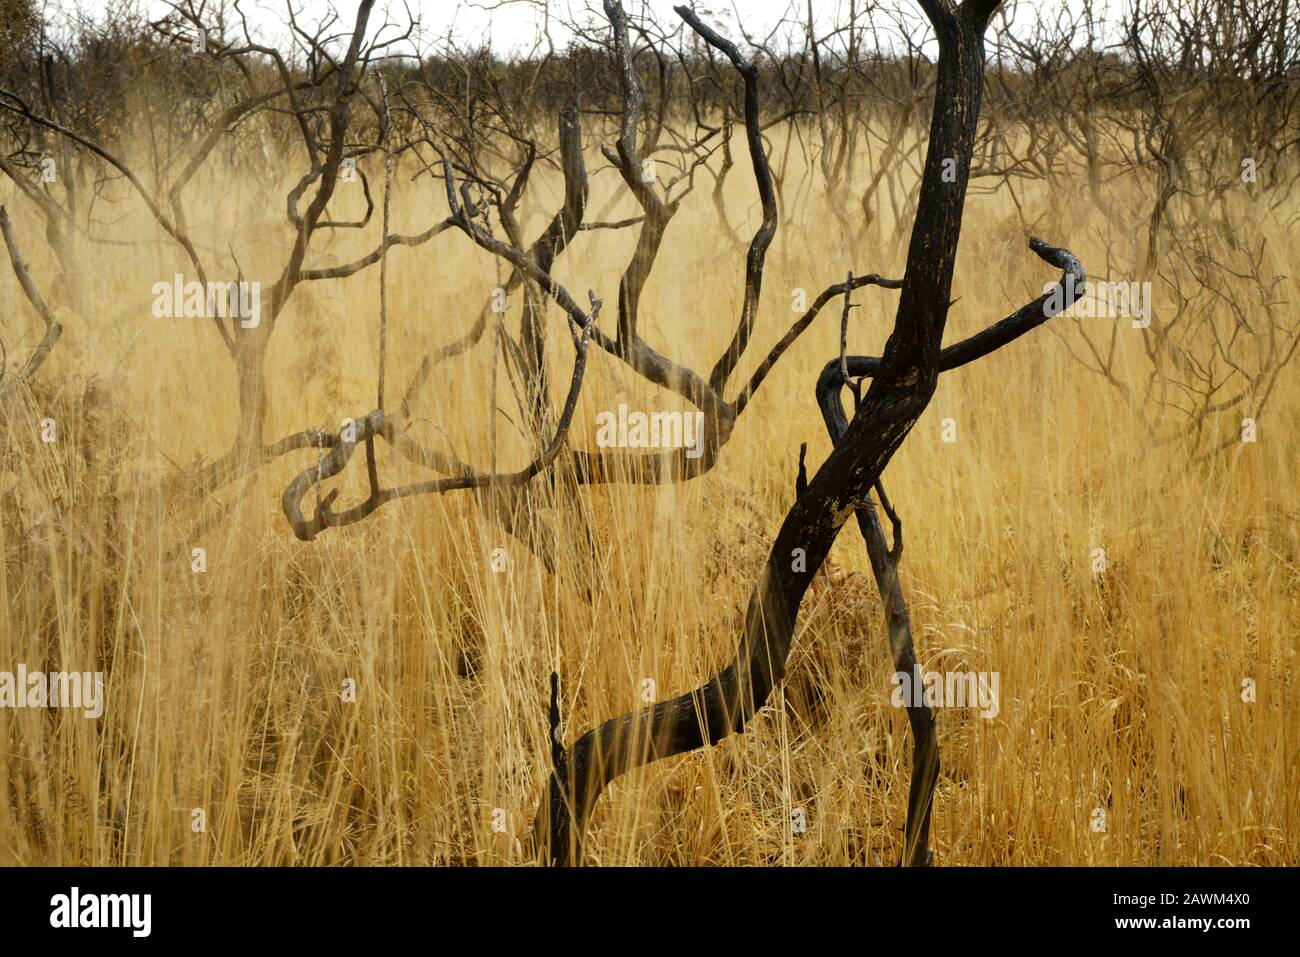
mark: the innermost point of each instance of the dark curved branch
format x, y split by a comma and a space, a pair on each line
627, 160
220, 128
884, 566
373, 424
758, 246
15, 104
1072, 285
554, 239
541, 256
612, 224
803, 323
348, 269
52, 327
327, 170
727, 702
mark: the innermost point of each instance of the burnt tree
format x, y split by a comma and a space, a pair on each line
903, 380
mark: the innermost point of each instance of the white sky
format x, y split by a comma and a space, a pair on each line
514, 25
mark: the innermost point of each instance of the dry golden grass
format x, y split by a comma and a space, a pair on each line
1120, 691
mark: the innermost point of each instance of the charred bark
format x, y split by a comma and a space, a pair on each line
902, 386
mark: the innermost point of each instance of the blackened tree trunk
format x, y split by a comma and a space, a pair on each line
899, 392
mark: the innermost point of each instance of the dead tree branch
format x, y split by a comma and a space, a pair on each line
52, 327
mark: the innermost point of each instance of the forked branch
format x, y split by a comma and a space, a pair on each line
52, 327
374, 425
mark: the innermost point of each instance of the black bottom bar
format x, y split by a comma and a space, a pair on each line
478, 907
